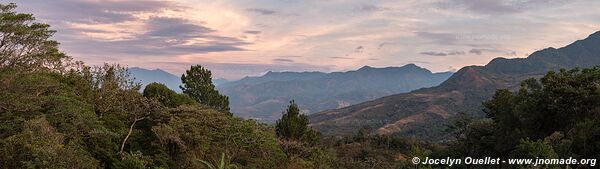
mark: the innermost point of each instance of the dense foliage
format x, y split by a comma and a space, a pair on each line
166, 96
55, 113
59, 121
197, 83
553, 117
294, 126
26, 44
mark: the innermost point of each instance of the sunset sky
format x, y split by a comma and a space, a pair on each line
235, 38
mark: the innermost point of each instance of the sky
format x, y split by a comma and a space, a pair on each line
237, 38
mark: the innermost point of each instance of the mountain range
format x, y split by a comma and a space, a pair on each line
265, 97
147, 76
423, 113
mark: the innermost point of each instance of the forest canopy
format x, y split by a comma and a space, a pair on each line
57, 113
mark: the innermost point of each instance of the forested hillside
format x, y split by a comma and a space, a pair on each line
423, 112
58, 113
262, 97
554, 117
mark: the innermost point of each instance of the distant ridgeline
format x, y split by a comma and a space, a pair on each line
423, 113
263, 98
146, 76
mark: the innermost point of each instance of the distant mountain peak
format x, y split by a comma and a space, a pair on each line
147, 76
262, 97
411, 65
407, 66
595, 35
418, 113
143, 69
366, 67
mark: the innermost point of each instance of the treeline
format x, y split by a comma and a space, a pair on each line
58, 113
553, 117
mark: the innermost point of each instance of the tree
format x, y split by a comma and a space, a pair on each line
138, 109
529, 149
566, 102
477, 140
25, 44
459, 126
166, 96
95, 117
39, 145
363, 135
196, 132
197, 83
294, 126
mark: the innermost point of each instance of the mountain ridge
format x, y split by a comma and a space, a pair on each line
147, 76
421, 113
257, 98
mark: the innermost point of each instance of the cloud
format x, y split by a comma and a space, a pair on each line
359, 49
153, 36
291, 56
283, 60
252, 32
439, 38
383, 33
381, 45
340, 57
495, 7
371, 8
456, 53
432, 53
262, 11
83, 11
148, 47
486, 6
492, 50
476, 51
451, 69
174, 28
421, 62
163, 36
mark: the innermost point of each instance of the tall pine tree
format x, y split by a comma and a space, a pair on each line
294, 126
197, 83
